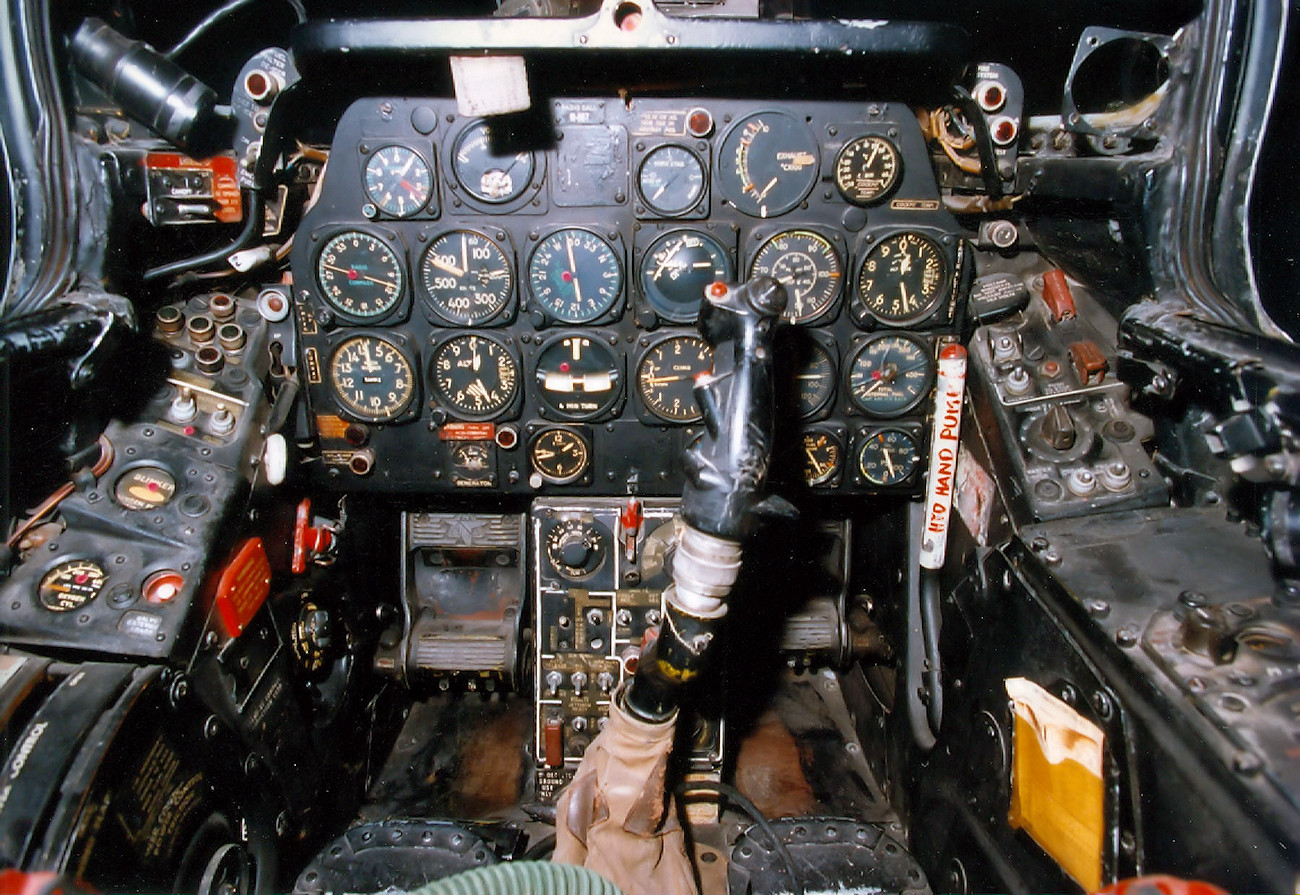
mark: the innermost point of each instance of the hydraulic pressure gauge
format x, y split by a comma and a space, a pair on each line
903, 278
822, 455
360, 275
466, 277
665, 377
71, 585
867, 170
475, 375
487, 173
677, 268
560, 455
890, 374
671, 180
888, 457
767, 163
809, 267
814, 378
579, 376
575, 276
398, 180
371, 378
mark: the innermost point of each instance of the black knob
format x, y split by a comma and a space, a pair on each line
575, 553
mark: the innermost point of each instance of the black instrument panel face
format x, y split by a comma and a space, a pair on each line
511, 304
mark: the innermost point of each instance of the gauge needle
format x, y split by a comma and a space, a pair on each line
889, 462
407, 167
809, 376
353, 274
817, 467
449, 268
660, 380
543, 454
767, 189
479, 390
464, 252
672, 253
902, 289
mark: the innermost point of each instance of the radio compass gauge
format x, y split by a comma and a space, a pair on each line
903, 278
475, 376
71, 585
890, 374
671, 180
676, 270
485, 174
814, 378
578, 376
809, 267
560, 455
867, 170
888, 457
398, 181
822, 455
575, 276
371, 379
467, 277
767, 164
359, 275
665, 377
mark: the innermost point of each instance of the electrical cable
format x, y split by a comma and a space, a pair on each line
737, 798
541, 849
47, 506
255, 205
220, 13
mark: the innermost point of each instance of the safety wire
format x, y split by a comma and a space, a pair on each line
61, 493
695, 788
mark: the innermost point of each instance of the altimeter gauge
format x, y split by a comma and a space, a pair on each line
475, 376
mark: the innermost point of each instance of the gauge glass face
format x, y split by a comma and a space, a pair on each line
145, 488
359, 275
398, 181
814, 379
676, 270
767, 164
809, 267
822, 456
467, 277
888, 457
671, 180
71, 585
890, 375
486, 175
867, 170
578, 376
475, 376
666, 375
371, 378
903, 278
575, 276
560, 456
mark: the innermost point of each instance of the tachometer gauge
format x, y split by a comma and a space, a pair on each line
814, 378
888, 457
867, 169
578, 376
767, 164
665, 377
560, 455
890, 374
809, 267
484, 173
475, 375
371, 378
467, 277
359, 274
71, 585
903, 278
822, 455
671, 180
398, 180
575, 276
676, 270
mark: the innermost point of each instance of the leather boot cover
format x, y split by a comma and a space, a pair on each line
613, 816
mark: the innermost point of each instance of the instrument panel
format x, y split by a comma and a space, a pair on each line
510, 304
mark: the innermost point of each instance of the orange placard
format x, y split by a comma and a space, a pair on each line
225, 179
467, 432
243, 586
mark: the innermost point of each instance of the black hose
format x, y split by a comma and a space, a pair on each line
930, 637
983, 141
255, 208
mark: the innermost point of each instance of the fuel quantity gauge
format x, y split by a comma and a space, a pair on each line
890, 374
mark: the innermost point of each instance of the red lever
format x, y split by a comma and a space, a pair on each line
309, 541
629, 521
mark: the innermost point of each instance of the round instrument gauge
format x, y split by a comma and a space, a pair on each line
665, 377
578, 376
676, 270
71, 585
486, 174
560, 455
867, 169
767, 163
398, 180
890, 374
475, 375
888, 457
144, 488
671, 180
822, 455
903, 278
575, 276
359, 274
467, 277
371, 378
577, 547
814, 378
809, 267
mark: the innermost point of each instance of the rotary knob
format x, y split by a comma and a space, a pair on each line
576, 547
